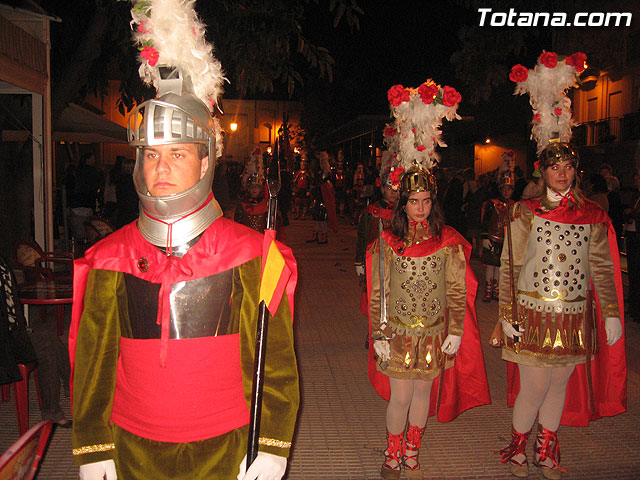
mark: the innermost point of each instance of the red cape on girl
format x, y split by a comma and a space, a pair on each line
609, 365
465, 383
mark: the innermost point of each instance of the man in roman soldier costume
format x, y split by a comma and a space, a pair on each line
252, 208
165, 309
493, 221
560, 287
377, 216
301, 190
421, 292
340, 185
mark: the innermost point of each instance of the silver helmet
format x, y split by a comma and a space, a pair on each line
172, 118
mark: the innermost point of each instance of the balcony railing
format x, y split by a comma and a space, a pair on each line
608, 130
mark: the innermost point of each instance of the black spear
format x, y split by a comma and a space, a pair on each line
273, 185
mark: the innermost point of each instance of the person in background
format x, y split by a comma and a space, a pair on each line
494, 220
520, 184
598, 191
302, 180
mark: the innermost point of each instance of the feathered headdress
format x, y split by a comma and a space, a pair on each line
415, 133
169, 33
547, 86
253, 169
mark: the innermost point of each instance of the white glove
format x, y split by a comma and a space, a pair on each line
451, 344
99, 470
509, 330
382, 349
359, 270
486, 243
265, 467
613, 327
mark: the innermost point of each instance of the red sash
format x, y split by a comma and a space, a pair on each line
209, 401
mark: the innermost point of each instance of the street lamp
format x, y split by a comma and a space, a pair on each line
233, 126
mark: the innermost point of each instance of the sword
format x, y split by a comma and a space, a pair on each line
383, 294
512, 283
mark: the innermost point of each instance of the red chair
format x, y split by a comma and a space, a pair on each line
21, 460
32, 260
21, 395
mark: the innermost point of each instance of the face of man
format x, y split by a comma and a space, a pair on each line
390, 194
560, 175
418, 206
172, 169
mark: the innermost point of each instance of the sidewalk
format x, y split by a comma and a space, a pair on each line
341, 429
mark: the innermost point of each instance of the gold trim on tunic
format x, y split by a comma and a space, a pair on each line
101, 447
272, 442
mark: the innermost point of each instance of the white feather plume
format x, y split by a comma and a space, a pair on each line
547, 89
173, 29
418, 131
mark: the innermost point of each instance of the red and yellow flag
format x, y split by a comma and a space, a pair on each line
275, 272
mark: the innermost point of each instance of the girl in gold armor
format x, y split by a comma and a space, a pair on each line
418, 326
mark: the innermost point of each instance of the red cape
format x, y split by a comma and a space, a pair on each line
329, 198
224, 244
465, 384
609, 365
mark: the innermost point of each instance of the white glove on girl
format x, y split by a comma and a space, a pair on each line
509, 330
613, 327
451, 344
265, 467
99, 470
382, 349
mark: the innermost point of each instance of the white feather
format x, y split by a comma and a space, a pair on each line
547, 89
173, 28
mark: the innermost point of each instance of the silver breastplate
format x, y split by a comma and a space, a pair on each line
555, 274
199, 308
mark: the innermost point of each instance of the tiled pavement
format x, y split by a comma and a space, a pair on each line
340, 432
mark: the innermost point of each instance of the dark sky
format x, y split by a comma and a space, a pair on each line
402, 42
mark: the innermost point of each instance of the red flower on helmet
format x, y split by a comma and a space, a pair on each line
549, 59
558, 111
428, 92
150, 54
537, 117
518, 73
421, 148
390, 132
142, 27
450, 96
395, 174
578, 60
398, 94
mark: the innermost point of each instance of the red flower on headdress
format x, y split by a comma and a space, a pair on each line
428, 92
398, 94
151, 55
518, 73
450, 96
558, 111
549, 59
536, 165
378, 182
421, 148
578, 60
142, 27
395, 174
537, 117
390, 132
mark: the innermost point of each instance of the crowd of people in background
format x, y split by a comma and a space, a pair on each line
92, 191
